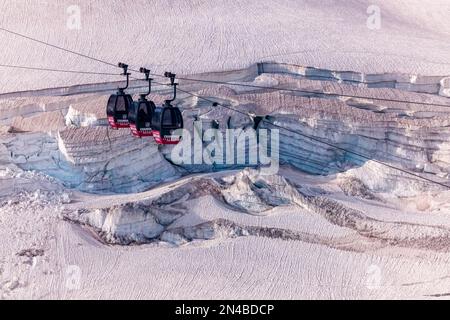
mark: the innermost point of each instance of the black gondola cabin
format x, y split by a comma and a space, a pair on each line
140, 117
166, 120
117, 110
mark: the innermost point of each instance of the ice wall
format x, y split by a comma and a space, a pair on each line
92, 159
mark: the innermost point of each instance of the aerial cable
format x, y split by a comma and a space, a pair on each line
58, 70
264, 120
323, 142
230, 83
57, 47
332, 94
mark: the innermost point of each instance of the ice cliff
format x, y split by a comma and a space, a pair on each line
68, 138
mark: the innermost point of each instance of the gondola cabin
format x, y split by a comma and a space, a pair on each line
117, 110
166, 120
140, 117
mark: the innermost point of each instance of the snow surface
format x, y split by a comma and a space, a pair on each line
189, 37
75, 223
214, 250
